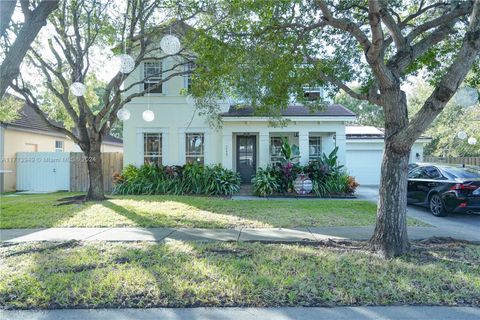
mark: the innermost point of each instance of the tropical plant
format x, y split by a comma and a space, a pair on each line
177, 180
265, 182
330, 185
289, 153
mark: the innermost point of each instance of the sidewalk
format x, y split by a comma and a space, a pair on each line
341, 313
242, 234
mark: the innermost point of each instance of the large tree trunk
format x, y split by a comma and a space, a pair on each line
96, 191
390, 237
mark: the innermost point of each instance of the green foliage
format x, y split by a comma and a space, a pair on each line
265, 182
177, 180
368, 114
9, 108
328, 177
444, 129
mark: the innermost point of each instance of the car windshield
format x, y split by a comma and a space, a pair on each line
464, 173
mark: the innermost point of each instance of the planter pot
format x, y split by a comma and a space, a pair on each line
303, 185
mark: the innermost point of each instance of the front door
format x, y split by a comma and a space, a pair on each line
246, 157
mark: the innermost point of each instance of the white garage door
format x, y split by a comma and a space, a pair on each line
365, 165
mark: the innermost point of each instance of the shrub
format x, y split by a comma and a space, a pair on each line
265, 182
177, 180
352, 184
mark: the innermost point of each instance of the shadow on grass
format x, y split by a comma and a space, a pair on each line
182, 274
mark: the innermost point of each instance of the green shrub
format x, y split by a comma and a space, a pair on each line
177, 180
265, 182
332, 184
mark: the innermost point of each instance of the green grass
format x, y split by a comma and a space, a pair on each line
180, 274
35, 211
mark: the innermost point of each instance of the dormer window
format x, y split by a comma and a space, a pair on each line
312, 93
152, 73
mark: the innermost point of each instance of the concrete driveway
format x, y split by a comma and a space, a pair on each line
456, 223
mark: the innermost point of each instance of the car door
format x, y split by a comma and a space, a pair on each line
430, 181
414, 180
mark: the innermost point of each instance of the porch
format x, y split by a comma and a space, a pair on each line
246, 150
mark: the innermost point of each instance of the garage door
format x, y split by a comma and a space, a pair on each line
365, 165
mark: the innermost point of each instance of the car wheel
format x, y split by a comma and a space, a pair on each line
436, 206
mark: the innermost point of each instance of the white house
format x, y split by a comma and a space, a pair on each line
245, 142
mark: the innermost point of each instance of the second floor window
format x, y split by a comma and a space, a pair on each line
312, 93
189, 67
152, 73
195, 150
152, 148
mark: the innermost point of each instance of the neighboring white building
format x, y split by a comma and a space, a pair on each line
245, 142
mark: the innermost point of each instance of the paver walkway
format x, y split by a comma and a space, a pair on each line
193, 234
341, 313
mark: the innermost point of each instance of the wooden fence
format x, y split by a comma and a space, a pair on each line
111, 162
475, 161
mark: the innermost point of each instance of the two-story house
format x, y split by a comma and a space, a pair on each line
245, 142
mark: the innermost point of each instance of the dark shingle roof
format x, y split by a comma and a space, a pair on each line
30, 120
292, 111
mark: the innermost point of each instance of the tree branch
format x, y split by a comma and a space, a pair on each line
449, 83
9, 69
33, 103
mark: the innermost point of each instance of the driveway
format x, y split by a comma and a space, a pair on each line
456, 223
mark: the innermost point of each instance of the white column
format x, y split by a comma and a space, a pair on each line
207, 148
227, 150
303, 145
264, 149
341, 143
181, 147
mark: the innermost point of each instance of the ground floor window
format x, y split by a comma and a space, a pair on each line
195, 148
275, 150
152, 148
315, 148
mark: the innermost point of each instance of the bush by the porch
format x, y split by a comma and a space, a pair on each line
328, 177
177, 180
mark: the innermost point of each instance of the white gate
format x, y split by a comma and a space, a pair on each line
43, 171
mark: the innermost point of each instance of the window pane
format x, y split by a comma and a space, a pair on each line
315, 147
195, 147
188, 78
275, 150
152, 72
152, 148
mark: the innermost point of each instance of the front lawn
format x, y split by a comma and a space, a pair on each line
36, 211
183, 274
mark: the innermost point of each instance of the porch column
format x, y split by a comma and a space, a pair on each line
263, 149
303, 145
341, 143
227, 150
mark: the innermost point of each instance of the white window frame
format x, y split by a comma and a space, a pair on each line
140, 144
318, 90
182, 144
275, 157
316, 156
59, 149
187, 79
153, 80
153, 156
192, 155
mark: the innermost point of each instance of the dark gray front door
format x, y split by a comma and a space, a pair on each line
246, 157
